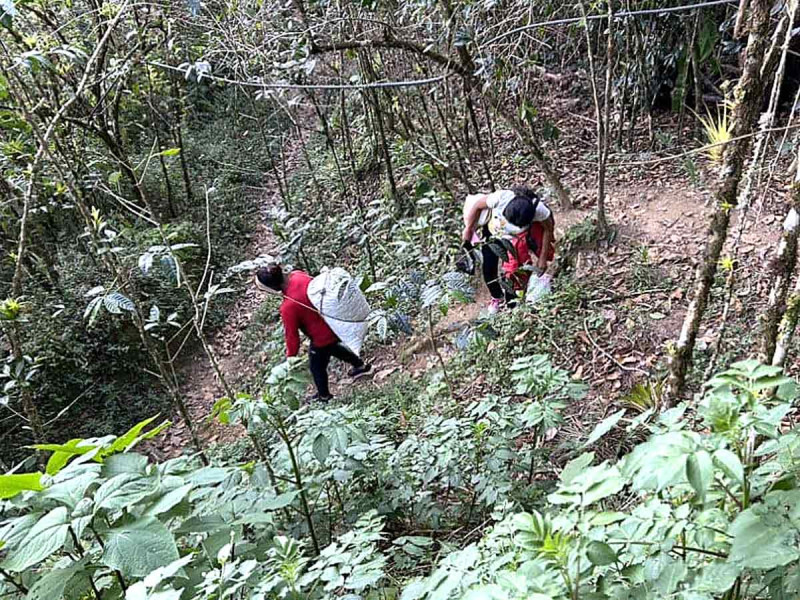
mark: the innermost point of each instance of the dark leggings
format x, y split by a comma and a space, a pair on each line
491, 274
318, 359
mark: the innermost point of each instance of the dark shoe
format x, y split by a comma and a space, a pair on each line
358, 372
318, 398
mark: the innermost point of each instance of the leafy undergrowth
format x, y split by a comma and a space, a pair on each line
408, 492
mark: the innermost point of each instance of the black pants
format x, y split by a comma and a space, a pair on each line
318, 359
491, 274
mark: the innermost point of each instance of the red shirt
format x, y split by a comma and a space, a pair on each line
298, 314
512, 268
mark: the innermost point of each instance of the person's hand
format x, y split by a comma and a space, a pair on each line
466, 263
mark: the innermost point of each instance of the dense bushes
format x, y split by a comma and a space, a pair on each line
432, 499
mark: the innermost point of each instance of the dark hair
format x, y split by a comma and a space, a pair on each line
271, 276
522, 209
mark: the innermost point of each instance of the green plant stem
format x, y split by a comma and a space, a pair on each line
117, 573
7, 576
79, 548
685, 548
533, 456
298, 480
730, 494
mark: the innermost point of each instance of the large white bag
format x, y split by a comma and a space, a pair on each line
339, 300
538, 287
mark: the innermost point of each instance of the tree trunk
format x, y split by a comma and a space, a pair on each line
787, 327
782, 268
747, 96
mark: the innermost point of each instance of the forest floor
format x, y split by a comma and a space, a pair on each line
640, 281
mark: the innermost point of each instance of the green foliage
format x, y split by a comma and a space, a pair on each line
699, 512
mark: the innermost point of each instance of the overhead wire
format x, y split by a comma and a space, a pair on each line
311, 86
630, 13
432, 80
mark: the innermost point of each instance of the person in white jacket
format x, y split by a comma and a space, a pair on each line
505, 214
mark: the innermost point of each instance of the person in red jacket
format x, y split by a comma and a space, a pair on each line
298, 314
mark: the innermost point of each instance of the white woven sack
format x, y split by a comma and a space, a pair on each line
538, 287
339, 300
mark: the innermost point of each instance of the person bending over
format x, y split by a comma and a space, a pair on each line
298, 314
517, 215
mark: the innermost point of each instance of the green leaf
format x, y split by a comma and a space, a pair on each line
278, 501
671, 576
576, 466
52, 585
47, 536
700, 471
606, 518
770, 382
757, 545
134, 435
116, 303
16, 483
169, 500
603, 427
321, 448
70, 490
730, 463
14, 531
63, 453
600, 554
139, 548
717, 577
123, 491
170, 152
130, 462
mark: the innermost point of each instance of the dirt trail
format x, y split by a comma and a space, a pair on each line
667, 220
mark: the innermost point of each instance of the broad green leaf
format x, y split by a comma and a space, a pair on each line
168, 500
606, 518
123, 491
63, 453
770, 382
576, 466
278, 501
757, 545
600, 554
700, 471
47, 536
16, 483
671, 576
14, 530
129, 462
717, 577
70, 490
321, 448
51, 586
414, 590
134, 435
139, 548
730, 463
603, 427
